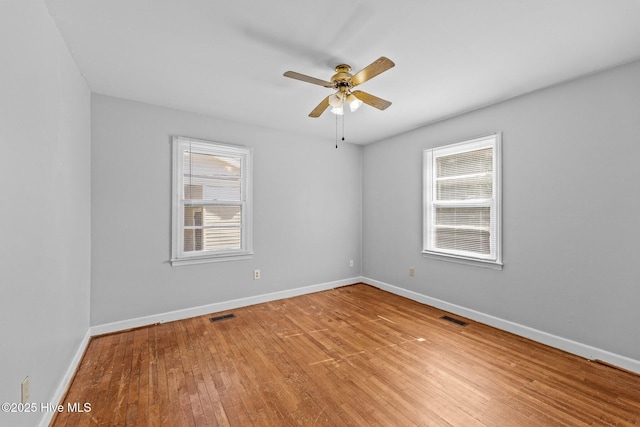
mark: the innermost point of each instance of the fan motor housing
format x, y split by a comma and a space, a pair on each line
342, 76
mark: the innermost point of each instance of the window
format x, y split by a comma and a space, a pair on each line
211, 202
462, 190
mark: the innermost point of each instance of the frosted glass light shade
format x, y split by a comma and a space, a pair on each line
335, 101
354, 103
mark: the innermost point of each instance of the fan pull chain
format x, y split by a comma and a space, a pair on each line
336, 131
342, 126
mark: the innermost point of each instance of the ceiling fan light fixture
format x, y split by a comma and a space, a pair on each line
336, 100
354, 103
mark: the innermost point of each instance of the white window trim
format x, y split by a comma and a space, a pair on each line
495, 141
178, 256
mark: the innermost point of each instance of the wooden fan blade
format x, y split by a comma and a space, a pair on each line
308, 79
378, 66
374, 101
324, 104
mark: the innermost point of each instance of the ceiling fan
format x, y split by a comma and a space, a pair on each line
343, 82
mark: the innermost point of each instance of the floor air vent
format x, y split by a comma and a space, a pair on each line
456, 321
219, 318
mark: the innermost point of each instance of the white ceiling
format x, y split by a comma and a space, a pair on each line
226, 58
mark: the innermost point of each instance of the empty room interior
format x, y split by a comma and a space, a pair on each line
320, 213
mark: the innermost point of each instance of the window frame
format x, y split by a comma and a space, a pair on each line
494, 259
178, 255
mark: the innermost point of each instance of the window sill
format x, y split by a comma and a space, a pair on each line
494, 265
207, 259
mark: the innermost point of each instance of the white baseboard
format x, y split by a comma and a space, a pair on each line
579, 349
66, 379
186, 313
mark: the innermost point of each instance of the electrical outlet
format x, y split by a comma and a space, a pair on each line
350, 263
24, 390
412, 271
256, 274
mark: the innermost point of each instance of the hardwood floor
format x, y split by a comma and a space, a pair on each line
351, 356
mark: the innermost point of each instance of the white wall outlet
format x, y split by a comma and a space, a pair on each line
256, 274
24, 390
412, 271
350, 263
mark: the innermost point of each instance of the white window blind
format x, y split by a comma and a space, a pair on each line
462, 200
211, 201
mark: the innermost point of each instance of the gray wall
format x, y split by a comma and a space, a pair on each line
571, 205
45, 206
307, 213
